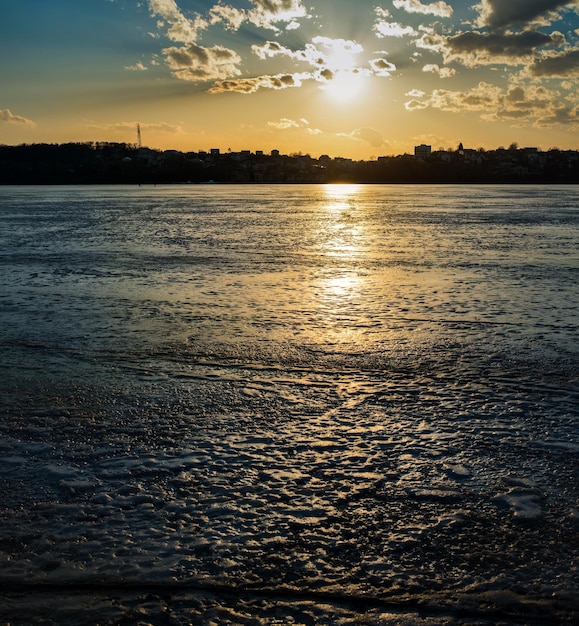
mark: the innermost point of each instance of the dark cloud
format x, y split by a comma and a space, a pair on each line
502, 13
251, 85
510, 45
564, 115
369, 135
197, 63
561, 65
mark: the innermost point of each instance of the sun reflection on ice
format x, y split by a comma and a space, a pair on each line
340, 195
340, 288
343, 287
341, 222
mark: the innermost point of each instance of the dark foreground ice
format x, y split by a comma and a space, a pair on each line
248, 494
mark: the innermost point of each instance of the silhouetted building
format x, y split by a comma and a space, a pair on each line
422, 150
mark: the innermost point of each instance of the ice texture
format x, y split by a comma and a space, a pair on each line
349, 405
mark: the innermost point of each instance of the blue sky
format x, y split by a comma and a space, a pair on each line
354, 79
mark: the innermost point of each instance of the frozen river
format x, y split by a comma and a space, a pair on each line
328, 404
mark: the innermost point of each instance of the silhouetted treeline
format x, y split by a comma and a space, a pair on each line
89, 163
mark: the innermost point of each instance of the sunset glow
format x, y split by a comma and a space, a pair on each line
345, 87
346, 79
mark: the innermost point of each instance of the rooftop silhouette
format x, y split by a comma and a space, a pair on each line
104, 162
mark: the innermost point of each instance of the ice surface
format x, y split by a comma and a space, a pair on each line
342, 419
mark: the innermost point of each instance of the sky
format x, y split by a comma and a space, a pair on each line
347, 78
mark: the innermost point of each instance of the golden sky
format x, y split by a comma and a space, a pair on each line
339, 77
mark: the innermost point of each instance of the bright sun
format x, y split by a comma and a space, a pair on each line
345, 86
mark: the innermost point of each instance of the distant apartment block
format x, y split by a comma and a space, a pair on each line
422, 150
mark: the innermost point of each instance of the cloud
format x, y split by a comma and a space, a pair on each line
385, 28
502, 13
338, 54
267, 13
232, 18
251, 85
288, 124
137, 67
368, 135
322, 52
561, 115
182, 29
431, 40
323, 59
392, 29
440, 9
284, 123
415, 105
473, 48
272, 49
443, 72
518, 104
382, 67
197, 63
327, 56
7, 117
565, 64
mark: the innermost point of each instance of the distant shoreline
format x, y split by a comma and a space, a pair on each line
108, 163
289, 184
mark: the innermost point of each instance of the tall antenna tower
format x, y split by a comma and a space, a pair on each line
139, 141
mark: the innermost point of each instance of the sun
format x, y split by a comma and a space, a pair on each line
346, 86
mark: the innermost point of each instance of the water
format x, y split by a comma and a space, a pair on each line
289, 404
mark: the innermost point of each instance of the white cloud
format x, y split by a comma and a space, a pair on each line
288, 124
383, 27
440, 9
268, 13
338, 53
324, 53
392, 29
181, 29
137, 67
284, 123
415, 105
271, 49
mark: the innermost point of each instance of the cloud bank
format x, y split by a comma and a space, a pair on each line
516, 40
